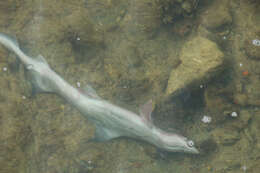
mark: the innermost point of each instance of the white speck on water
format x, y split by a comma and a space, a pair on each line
234, 114
240, 64
201, 86
78, 38
78, 84
23, 97
89, 162
244, 168
206, 119
4, 68
224, 37
256, 42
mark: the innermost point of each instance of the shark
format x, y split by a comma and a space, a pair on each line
111, 121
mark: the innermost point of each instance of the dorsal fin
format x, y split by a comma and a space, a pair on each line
88, 90
42, 59
146, 112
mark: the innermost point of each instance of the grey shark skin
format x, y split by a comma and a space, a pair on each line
110, 120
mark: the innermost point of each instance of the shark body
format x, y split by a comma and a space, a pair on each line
111, 121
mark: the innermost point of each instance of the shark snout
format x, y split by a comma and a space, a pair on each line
176, 143
192, 150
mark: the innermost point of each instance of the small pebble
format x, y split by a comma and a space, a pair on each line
234, 114
23, 97
201, 86
78, 84
4, 68
206, 119
224, 37
240, 64
256, 42
78, 38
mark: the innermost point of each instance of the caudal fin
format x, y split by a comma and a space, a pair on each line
11, 43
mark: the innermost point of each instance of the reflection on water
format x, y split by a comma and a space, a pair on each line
198, 60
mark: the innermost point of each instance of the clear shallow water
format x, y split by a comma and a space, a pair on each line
131, 52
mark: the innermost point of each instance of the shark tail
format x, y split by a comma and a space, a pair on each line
38, 68
9, 42
12, 44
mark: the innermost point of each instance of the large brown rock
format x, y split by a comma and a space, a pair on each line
201, 60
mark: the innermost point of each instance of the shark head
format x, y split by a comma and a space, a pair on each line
171, 142
176, 143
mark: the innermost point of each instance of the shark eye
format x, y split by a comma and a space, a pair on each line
190, 143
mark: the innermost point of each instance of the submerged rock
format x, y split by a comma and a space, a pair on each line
217, 15
250, 94
242, 120
146, 15
8, 11
81, 30
252, 45
225, 136
253, 131
201, 60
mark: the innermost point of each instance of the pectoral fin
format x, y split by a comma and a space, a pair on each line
103, 134
91, 92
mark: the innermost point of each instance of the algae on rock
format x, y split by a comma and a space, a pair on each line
201, 60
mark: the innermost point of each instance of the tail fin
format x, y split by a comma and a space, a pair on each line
12, 44
8, 41
42, 76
